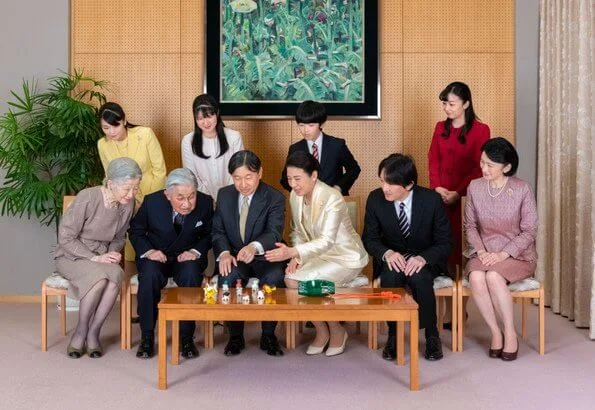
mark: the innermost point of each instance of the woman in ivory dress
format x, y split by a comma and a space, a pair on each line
325, 244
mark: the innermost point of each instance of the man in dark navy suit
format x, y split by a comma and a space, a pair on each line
338, 167
248, 221
408, 234
171, 235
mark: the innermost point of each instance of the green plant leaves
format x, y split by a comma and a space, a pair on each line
48, 145
292, 50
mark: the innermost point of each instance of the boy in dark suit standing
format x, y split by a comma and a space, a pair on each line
171, 234
408, 234
338, 168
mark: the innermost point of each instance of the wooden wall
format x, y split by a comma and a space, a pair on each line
152, 51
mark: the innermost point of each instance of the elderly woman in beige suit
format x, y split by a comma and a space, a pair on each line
325, 245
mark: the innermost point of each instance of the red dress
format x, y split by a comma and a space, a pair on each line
453, 166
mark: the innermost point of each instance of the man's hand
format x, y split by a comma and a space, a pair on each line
414, 265
187, 256
156, 256
246, 254
225, 263
451, 197
395, 261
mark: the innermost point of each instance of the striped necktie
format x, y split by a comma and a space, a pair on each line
315, 151
403, 222
404, 226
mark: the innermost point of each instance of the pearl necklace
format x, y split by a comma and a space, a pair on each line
500, 189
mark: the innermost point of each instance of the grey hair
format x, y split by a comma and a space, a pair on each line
121, 169
180, 176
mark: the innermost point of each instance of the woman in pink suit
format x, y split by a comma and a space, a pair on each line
501, 226
454, 155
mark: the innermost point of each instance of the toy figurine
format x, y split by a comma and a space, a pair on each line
260, 297
246, 300
225, 286
239, 290
210, 294
226, 298
269, 289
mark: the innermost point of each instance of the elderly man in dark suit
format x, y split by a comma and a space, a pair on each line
171, 234
248, 221
338, 167
408, 234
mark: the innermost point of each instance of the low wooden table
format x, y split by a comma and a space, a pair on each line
286, 305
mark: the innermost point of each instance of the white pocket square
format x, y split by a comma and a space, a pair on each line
199, 223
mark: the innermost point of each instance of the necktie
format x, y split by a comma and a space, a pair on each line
403, 222
315, 151
178, 222
243, 216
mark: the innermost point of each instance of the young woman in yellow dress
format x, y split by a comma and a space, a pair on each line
123, 139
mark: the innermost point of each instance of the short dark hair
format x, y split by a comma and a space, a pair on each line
398, 169
304, 161
113, 114
246, 159
501, 151
310, 112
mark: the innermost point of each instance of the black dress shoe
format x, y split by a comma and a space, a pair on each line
146, 349
188, 348
390, 350
433, 348
235, 346
270, 344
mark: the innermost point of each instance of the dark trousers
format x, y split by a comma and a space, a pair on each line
421, 285
268, 273
152, 277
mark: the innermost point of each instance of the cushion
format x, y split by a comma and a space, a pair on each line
56, 281
442, 282
170, 282
520, 286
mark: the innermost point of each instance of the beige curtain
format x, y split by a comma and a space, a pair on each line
566, 197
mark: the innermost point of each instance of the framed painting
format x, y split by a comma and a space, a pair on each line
264, 57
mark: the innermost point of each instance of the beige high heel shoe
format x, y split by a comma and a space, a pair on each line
333, 351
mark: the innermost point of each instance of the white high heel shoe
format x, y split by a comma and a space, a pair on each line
333, 351
312, 350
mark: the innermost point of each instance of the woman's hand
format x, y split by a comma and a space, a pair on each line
291, 266
109, 257
491, 258
451, 197
282, 253
441, 191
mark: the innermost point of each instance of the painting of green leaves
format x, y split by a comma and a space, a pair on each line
291, 50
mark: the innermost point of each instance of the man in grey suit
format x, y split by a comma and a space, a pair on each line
248, 221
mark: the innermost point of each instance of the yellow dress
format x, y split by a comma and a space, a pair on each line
142, 146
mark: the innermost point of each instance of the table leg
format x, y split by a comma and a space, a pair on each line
175, 342
162, 352
401, 343
414, 351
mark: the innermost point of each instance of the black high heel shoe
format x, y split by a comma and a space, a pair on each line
496, 353
510, 356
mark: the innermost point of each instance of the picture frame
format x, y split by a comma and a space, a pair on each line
264, 57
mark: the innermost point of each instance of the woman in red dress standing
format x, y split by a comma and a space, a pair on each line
454, 156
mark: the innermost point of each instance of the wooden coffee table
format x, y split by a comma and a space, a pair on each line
286, 305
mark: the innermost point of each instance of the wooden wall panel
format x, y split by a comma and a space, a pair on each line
191, 86
490, 77
458, 26
390, 24
192, 26
148, 88
131, 26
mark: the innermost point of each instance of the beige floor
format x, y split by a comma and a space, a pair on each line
358, 379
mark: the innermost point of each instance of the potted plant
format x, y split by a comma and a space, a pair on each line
48, 145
